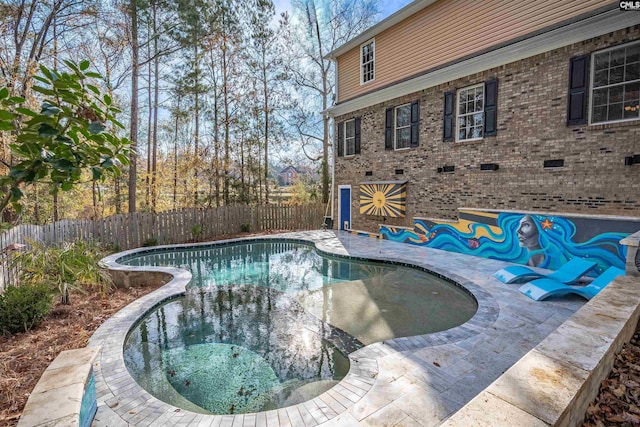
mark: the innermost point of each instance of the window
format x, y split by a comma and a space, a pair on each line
367, 61
615, 88
402, 128
350, 138
470, 118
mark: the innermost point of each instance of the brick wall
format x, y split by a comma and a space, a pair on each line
532, 104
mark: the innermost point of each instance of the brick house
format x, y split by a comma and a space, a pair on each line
523, 106
288, 176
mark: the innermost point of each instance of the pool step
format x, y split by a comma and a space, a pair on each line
309, 391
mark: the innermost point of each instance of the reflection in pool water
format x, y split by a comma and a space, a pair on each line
269, 324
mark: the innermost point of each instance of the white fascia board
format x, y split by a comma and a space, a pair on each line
371, 32
593, 26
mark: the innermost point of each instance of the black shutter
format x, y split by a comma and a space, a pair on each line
491, 107
388, 130
340, 139
415, 123
447, 134
357, 138
577, 100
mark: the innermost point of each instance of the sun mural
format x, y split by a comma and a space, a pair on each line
383, 198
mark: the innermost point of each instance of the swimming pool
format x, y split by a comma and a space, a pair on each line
268, 324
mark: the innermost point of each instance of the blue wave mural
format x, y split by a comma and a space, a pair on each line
536, 240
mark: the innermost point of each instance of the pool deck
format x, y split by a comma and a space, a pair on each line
409, 381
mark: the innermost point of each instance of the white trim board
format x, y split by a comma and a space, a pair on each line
340, 187
593, 26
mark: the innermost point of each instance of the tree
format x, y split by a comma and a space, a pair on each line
72, 132
263, 41
319, 27
133, 132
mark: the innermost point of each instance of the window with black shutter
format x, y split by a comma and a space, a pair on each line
388, 129
490, 107
402, 126
447, 134
357, 136
615, 85
475, 112
577, 100
341, 139
415, 123
349, 137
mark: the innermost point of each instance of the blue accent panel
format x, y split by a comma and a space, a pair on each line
536, 240
345, 207
89, 404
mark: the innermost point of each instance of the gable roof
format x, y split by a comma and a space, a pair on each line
289, 169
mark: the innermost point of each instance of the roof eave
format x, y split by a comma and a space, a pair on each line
574, 32
371, 32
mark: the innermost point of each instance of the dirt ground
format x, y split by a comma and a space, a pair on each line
617, 403
25, 356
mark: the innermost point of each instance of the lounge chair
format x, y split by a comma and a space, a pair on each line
540, 289
568, 273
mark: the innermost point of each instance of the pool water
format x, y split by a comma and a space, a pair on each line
265, 325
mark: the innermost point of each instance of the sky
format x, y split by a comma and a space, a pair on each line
387, 7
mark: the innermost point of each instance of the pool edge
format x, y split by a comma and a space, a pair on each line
119, 391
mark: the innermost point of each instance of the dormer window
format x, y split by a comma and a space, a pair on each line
367, 61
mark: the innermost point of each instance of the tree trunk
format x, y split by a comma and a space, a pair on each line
55, 206
266, 127
197, 131
225, 94
133, 135
147, 178
154, 157
175, 156
216, 132
243, 187
325, 118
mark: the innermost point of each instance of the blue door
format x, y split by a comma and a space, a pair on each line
345, 208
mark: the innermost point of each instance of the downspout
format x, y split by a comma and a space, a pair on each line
333, 151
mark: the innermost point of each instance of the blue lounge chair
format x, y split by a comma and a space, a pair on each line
568, 273
540, 289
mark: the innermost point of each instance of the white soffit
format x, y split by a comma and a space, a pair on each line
572, 33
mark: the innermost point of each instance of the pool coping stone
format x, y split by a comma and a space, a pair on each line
446, 369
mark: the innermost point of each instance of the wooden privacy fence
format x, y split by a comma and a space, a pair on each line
132, 230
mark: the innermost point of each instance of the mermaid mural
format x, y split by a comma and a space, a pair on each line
536, 240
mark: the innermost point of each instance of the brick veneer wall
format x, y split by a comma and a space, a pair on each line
532, 104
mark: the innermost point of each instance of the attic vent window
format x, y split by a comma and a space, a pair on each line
367, 61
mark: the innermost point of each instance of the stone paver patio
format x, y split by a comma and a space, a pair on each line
408, 381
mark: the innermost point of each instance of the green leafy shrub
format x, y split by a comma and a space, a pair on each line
244, 228
152, 241
73, 131
74, 264
196, 230
23, 307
